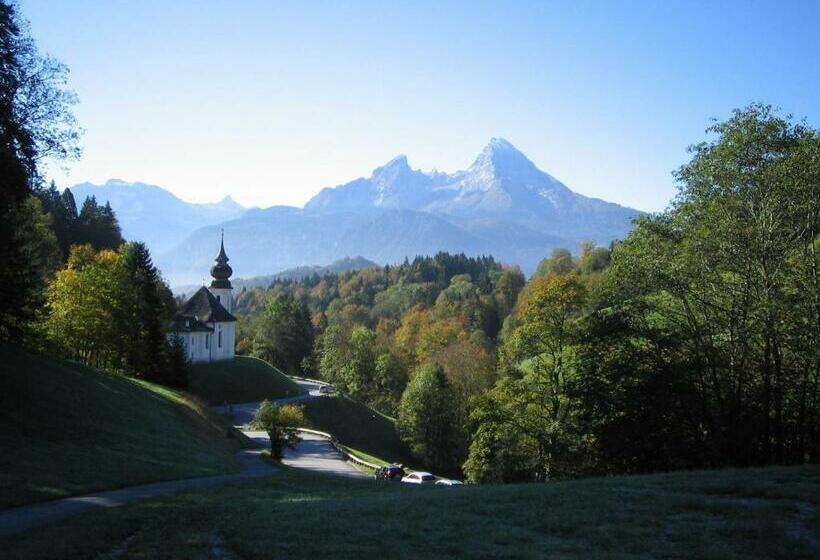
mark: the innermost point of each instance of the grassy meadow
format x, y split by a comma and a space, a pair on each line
66, 429
241, 380
771, 513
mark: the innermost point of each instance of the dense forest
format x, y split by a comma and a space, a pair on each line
692, 343
100, 300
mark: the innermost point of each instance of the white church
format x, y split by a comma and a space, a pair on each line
205, 322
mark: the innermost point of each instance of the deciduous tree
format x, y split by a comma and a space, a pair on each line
281, 423
284, 334
427, 418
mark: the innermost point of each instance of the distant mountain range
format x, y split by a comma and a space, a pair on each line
151, 214
501, 205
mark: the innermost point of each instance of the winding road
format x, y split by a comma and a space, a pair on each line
313, 453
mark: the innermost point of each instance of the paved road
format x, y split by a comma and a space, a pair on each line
313, 453
21, 518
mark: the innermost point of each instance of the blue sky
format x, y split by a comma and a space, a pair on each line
270, 101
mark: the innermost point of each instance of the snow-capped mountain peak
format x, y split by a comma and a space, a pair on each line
400, 161
392, 171
501, 147
500, 158
501, 184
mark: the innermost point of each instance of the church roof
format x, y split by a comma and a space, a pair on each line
188, 323
204, 306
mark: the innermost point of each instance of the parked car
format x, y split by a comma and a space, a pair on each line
447, 483
327, 389
419, 477
389, 472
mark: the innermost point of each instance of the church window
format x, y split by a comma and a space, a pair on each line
220, 337
207, 341
218, 299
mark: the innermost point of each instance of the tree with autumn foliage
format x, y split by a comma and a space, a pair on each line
523, 426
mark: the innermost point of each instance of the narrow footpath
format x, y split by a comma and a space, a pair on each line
15, 520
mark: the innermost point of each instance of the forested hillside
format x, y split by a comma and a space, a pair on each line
695, 342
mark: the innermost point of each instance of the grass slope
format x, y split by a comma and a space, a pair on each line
67, 429
771, 513
358, 427
244, 379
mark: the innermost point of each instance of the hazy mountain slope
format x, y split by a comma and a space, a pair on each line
259, 242
281, 237
297, 273
151, 214
336, 267
389, 236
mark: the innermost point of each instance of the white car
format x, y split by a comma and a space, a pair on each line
449, 483
419, 477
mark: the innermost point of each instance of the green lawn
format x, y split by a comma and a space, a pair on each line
769, 513
67, 429
357, 427
241, 380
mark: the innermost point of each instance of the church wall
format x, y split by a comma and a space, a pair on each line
195, 343
199, 352
226, 352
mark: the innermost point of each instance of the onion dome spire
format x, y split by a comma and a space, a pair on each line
221, 272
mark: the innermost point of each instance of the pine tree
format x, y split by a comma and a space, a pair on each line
63, 213
145, 343
34, 122
177, 365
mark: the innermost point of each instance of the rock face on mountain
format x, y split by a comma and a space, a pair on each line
502, 205
392, 186
502, 187
151, 214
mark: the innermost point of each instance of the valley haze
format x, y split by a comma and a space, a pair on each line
502, 205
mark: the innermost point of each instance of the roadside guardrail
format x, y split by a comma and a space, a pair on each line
342, 449
309, 380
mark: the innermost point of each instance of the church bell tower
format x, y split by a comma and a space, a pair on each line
221, 273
